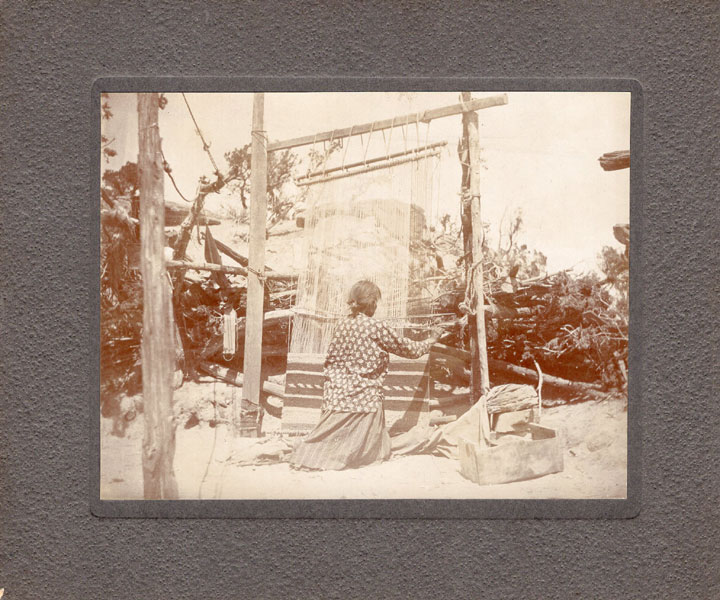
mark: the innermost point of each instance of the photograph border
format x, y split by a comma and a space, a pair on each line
400, 508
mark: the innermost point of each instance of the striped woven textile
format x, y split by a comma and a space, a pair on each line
406, 393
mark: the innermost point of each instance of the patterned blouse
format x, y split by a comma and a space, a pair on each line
357, 362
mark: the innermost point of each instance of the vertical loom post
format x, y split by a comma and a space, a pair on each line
157, 342
479, 358
473, 143
256, 262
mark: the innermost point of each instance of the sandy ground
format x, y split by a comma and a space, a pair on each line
595, 460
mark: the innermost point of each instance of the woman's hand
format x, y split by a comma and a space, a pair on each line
435, 334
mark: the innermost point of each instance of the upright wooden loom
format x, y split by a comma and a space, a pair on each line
374, 242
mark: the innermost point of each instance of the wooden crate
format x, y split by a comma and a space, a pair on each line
406, 393
515, 460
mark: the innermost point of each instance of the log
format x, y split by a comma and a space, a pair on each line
239, 258
622, 233
511, 397
118, 217
275, 296
228, 251
455, 358
231, 270
236, 379
559, 382
614, 161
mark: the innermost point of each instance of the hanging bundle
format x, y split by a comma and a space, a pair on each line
229, 334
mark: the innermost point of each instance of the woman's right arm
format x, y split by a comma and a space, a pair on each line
391, 342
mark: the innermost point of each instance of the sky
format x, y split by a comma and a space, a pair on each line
540, 153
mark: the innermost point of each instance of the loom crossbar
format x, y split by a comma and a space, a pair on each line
401, 121
363, 163
384, 165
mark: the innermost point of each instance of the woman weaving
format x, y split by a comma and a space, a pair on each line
351, 431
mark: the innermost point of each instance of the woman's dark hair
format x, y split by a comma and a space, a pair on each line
363, 298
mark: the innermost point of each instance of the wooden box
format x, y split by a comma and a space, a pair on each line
515, 459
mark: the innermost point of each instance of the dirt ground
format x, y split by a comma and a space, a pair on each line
595, 459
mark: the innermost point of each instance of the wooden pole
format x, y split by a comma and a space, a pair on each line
481, 382
157, 340
399, 121
229, 269
466, 219
252, 366
475, 166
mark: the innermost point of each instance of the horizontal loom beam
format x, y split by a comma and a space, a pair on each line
424, 117
368, 169
230, 270
369, 161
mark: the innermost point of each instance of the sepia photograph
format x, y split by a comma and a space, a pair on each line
364, 295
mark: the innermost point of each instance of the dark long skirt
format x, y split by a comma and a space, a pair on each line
343, 440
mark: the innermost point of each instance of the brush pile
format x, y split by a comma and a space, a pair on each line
574, 326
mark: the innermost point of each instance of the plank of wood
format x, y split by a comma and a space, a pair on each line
403, 120
157, 343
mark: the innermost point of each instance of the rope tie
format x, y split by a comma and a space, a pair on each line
467, 306
312, 152
258, 274
417, 131
347, 146
372, 126
387, 147
327, 152
168, 170
206, 146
